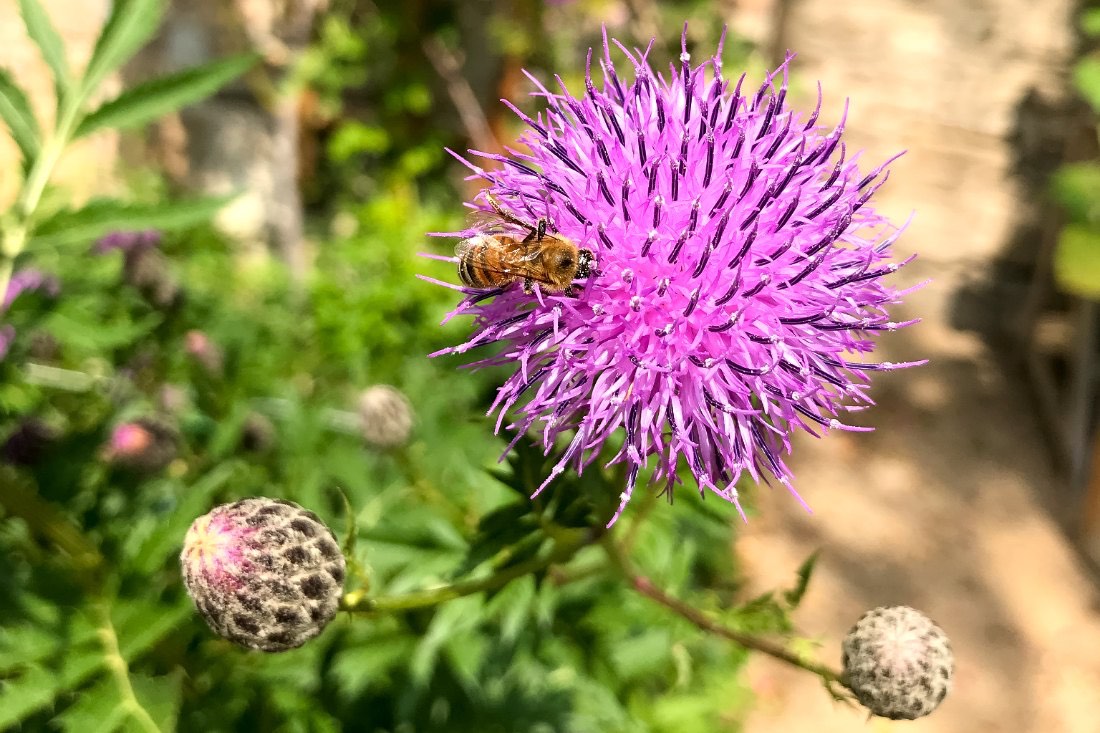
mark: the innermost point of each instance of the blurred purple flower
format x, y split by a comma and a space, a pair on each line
127, 241
7, 335
30, 280
739, 266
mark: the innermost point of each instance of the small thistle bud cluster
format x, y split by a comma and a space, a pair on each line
145, 445
898, 663
264, 573
386, 416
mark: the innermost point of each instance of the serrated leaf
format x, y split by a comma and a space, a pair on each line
1090, 22
1086, 78
1077, 261
44, 35
16, 112
37, 687
1077, 188
97, 709
141, 625
130, 25
158, 97
101, 216
794, 596
160, 696
167, 538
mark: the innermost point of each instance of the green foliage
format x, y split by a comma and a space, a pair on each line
97, 632
155, 98
1076, 187
16, 113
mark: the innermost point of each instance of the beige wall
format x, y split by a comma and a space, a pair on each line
78, 22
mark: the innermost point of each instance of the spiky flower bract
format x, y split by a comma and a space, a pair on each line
898, 663
264, 573
739, 271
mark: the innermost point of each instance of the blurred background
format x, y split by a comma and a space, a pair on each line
976, 500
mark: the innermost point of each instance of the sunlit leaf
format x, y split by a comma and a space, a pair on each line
44, 35
162, 95
1086, 78
102, 216
1077, 261
130, 24
16, 112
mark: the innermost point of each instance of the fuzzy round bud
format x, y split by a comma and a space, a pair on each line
264, 573
145, 445
204, 351
386, 416
257, 434
898, 663
146, 269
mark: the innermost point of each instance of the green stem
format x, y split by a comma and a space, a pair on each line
645, 586
15, 239
562, 551
119, 670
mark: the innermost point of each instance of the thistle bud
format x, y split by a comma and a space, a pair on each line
204, 351
144, 445
264, 573
28, 442
898, 663
386, 416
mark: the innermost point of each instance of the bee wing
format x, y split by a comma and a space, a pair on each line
488, 222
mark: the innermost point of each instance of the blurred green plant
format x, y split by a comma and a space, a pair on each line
1076, 187
470, 607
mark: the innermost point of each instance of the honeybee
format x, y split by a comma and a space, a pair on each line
496, 257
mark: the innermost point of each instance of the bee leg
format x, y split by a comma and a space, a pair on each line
528, 286
541, 229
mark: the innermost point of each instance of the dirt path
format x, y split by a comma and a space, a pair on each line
947, 507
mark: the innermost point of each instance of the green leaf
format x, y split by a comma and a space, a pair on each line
794, 596
1086, 77
164, 541
1077, 261
160, 696
141, 625
42, 32
37, 687
158, 97
1077, 188
101, 216
98, 709
130, 25
1090, 22
17, 115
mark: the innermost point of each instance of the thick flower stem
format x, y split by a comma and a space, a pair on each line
646, 587
563, 550
15, 239
119, 670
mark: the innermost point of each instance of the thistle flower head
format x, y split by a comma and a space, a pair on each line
739, 269
898, 663
263, 573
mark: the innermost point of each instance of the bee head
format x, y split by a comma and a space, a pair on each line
584, 263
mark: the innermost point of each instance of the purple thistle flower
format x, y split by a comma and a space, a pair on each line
738, 268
